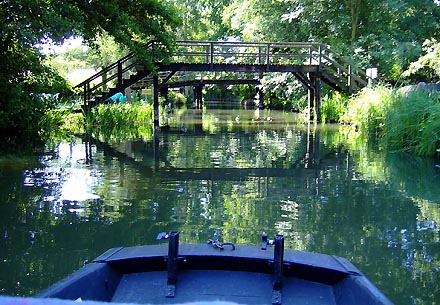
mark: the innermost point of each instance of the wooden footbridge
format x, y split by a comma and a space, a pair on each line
310, 63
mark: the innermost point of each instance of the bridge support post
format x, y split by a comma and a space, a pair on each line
314, 101
260, 95
156, 100
318, 98
198, 96
311, 97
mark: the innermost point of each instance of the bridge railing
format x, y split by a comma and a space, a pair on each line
341, 68
111, 75
208, 52
289, 53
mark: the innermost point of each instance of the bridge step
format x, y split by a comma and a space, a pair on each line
335, 82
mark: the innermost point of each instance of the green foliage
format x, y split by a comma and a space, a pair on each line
427, 67
103, 52
26, 85
176, 97
26, 23
127, 120
131, 23
412, 122
380, 33
201, 19
60, 123
366, 111
401, 120
283, 91
333, 107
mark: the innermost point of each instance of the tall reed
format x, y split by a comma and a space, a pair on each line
400, 120
333, 107
412, 122
60, 123
366, 111
127, 120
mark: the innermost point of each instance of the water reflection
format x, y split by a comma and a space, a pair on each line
210, 175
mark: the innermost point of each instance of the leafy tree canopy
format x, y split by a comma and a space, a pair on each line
26, 23
73, 62
201, 19
427, 67
387, 33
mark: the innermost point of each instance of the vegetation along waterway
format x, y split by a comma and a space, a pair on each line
227, 174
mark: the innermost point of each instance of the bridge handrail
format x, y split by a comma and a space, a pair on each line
350, 71
357, 72
209, 51
105, 70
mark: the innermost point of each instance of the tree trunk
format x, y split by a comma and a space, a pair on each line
355, 8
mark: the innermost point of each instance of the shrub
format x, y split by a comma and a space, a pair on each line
366, 111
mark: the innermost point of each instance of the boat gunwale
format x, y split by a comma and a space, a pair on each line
322, 268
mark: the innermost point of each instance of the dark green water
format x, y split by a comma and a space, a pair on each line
217, 175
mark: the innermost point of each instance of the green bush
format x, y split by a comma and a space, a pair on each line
27, 96
176, 98
60, 123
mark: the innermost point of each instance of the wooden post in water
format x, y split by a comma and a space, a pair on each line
318, 98
311, 96
198, 96
156, 100
314, 92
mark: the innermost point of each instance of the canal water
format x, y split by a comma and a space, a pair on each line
229, 175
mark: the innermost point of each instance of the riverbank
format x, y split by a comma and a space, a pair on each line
398, 120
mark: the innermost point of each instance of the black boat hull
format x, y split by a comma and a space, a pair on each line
206, 274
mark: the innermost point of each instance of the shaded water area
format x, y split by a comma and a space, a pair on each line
226, 174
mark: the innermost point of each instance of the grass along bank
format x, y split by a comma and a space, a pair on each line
406, 121
121, 120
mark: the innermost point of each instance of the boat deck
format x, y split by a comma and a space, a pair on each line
219, 285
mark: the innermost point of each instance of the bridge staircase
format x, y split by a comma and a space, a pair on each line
311, 63
111, 80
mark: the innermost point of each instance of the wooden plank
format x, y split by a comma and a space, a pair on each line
237, 67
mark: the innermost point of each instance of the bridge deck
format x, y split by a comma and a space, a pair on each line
217, 67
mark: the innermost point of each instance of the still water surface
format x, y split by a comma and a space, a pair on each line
230, 175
